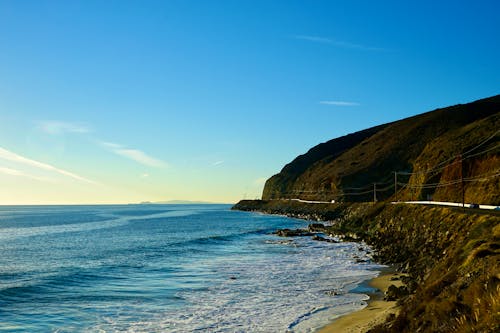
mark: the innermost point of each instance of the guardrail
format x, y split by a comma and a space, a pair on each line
452, 204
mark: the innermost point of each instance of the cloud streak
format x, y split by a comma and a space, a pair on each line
18, 173
134, 154
339, 103
337, 43
13, 157
55, 127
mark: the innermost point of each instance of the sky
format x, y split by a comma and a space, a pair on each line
130, 101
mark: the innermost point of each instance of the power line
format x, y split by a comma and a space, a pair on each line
372, 188
484, 151
385, 188
452, 182
482, 143
440, 165
481, 179
403, 186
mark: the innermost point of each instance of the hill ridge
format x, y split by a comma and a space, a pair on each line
330, 170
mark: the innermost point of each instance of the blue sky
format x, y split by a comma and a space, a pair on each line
128, 101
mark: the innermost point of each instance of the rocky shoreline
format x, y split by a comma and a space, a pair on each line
451, 258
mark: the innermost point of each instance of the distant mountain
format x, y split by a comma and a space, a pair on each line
178, 202
433, 153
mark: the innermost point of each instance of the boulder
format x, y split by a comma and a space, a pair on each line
316, 227
394, 293
323, 239
292, 233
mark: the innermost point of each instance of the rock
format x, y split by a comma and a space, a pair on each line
315, 227
292, 233
350, 237
394, 293
323, 239
333, 292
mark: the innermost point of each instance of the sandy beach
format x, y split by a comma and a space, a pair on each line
375, 313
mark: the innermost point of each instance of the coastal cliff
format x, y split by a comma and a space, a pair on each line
451, 255
431, 155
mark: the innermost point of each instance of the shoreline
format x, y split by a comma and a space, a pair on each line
442, 279
374, 313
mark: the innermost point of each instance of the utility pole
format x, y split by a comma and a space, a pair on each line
396, 185
374, 192
462, 180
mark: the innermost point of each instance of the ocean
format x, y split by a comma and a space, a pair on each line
170, 268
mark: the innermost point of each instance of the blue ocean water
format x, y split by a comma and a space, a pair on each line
169, 268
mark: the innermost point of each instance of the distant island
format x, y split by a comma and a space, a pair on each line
381, 185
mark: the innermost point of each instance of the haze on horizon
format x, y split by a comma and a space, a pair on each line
126, 101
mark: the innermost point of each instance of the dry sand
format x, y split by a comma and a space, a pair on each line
375, 313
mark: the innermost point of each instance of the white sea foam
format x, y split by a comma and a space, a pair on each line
283, 293
184, 269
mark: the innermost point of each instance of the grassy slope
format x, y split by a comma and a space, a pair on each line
370, 156
453, 258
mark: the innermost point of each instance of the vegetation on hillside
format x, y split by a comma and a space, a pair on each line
436, 155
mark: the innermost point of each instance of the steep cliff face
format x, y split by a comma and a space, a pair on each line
435, 154
282, 185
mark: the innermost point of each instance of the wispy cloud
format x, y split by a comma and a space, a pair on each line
140, 157
217, 163
315, 39
55, 127
337, 43
339, 103
134, 154
110, 145
19, 173
11, 156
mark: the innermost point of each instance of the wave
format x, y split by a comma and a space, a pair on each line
28, 225
306, 316
12, 233
99, 285
222, 239
49, 219
159, 215
176, 270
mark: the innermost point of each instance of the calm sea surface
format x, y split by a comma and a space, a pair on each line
169, 268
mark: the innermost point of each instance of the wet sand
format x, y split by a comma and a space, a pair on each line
375, 313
